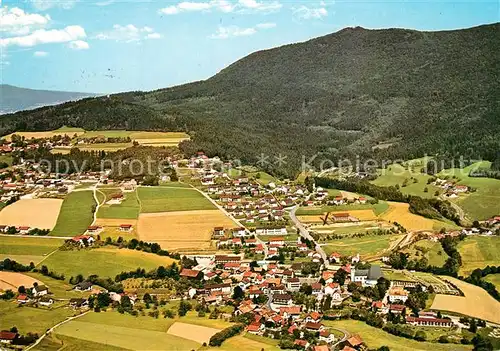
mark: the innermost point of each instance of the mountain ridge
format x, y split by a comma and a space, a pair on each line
334, 96
14, 98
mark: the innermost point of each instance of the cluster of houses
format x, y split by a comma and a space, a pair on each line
322, 197
451, 190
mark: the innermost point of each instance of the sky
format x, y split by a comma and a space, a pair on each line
105, 46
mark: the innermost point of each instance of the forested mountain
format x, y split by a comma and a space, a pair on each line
339, 95
16, 99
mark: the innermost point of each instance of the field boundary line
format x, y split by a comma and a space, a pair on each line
47, 256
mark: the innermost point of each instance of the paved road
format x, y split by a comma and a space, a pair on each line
464, 220
52, 329
305, 234
346, 336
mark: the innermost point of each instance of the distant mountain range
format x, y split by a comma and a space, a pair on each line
384, 94
14, 99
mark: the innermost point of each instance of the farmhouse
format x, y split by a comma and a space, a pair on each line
397, 294
221, 259
125, 227
78, 302
94, 229
429, 322
46, 301
39, 290
272, 230
189, 273
218, 231
7, 337
83, 240
83, 286
282, 299
343, 217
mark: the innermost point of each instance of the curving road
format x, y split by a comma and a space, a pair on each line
305, 234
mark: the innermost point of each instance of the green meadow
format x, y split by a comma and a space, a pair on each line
375, 338
27, 249
105, 262
165, 199
479, 252
416, 182
77, 213
127, 209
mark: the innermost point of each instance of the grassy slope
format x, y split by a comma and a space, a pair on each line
485, 201
30, 319
479, 252
376, 338
365, 246
76, 214
433, 252
26, 250
128, 209
163, 199
55, 342
494, 279
396, 174
103, 262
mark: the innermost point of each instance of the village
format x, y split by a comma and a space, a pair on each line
268, 271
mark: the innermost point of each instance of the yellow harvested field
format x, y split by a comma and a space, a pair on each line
400, 212
35, 213
38, 135
192, 332
310, 219
12, 280
476, 302
181, 229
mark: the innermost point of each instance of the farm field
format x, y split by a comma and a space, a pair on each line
139, 333
485, 201
105, 262
76, 214
375, 338
479, 252
69, 131
55, 342
43, 213
125, 337
476, 302
197, 333
127, 209
27, 249
396, 174
30, 319
246, 342
111, 228
400, 213
431, 250
367, 246
13, 280
494, 279
376, 208
165, 199
182, 229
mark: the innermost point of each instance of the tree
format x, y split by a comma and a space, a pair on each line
473, 326
420, 335
147, 298
340, 276
238, 293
